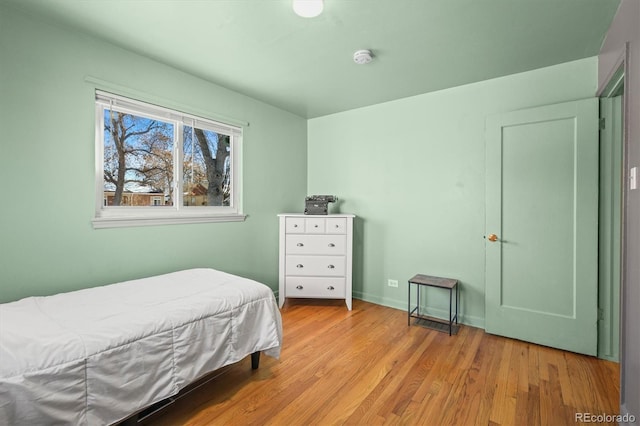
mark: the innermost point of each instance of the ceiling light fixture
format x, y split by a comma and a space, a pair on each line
308, 8
362, 57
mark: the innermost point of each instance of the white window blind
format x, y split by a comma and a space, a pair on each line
109, 99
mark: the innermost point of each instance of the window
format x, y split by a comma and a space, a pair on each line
159, 166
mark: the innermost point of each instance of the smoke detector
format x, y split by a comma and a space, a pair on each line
362, 57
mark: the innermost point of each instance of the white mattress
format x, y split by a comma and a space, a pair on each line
97, 355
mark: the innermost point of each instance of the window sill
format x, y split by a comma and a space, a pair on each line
123, 222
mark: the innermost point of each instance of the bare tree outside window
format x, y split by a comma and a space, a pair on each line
138, 155
206, 170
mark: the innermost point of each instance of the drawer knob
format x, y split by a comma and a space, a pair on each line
300, 245
299, 287
330, 288
331, 245
315, 226
337, 226
330, 266
299, 265
295, 225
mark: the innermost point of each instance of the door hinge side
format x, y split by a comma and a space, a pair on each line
601, 123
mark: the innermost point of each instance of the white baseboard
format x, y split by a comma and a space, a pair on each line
434, 312
403, 305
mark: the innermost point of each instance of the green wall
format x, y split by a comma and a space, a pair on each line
413, 170
47, 243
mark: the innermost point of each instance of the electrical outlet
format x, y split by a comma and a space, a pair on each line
392, 283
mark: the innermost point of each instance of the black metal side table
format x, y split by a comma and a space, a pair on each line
446, 283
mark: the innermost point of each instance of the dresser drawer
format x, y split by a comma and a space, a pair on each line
314, 225
307, 225
294, 225
316, 244
336, 225
329, 266
330, 288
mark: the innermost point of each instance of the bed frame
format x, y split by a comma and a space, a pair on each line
118, 353
158, 407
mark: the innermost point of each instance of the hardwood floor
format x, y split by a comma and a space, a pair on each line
366, 367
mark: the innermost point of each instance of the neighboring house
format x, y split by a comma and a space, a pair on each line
195, 195
139, 199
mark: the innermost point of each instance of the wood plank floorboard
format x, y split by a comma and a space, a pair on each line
367, 367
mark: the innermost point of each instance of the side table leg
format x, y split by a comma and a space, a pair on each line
409, 304
457, 300
450, 306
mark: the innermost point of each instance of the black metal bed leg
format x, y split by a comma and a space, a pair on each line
255, 360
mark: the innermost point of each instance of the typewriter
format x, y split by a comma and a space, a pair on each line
318, 204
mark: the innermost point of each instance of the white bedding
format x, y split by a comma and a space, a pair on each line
97, 355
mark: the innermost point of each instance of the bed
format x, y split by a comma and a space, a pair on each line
98, 355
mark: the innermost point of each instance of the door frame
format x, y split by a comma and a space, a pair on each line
609, 226
609, 86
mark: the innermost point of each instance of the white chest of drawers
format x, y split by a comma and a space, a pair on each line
316, 256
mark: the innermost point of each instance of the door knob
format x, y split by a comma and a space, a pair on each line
493, 238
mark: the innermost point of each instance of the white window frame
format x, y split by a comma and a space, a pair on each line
122, 216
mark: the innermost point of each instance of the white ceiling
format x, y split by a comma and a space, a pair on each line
262, 49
